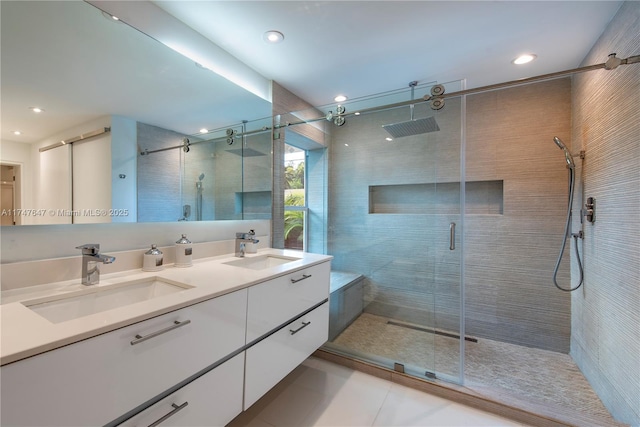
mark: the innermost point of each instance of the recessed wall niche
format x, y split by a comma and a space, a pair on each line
481, 198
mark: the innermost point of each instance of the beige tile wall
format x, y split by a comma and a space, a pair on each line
605, 338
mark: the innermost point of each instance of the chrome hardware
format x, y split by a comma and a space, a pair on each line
398, 367
452, 236
590, 209
176, 324
91, 260
304, 276
295, 331
241, 241
176, 408
437, 90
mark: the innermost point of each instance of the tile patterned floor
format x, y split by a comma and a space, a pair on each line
501, 371
320, 393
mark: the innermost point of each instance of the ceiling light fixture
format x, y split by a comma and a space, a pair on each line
340, 98
273, 37
110, 16
203, 130
389, 139
36, 109
524, 59
17, 132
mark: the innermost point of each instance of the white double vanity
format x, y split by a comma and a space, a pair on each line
182, 346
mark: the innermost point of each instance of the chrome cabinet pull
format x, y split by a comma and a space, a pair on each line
452, 236
176, 324
176, 409
304, 325
304, 276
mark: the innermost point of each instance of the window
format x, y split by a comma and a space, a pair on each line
295, 206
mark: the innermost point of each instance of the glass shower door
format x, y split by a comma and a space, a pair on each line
395, 223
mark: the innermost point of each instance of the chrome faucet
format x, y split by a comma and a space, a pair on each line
91, 260
241, 242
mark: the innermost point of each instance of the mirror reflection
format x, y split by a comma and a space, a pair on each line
109, 93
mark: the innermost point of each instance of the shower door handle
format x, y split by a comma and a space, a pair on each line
452, 236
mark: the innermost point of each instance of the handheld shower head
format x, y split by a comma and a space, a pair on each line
201, 177
559, 143
567, 155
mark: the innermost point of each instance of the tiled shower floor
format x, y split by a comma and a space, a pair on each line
494, 369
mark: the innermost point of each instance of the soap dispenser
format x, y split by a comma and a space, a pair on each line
251, 247
183, 252
152, 260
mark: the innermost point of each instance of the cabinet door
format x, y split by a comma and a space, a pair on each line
95, 381
273, 358
214, 399
279, 300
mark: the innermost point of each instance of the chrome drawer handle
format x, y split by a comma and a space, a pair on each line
176, 408
176, 325
304, 276
452, 236
304, 325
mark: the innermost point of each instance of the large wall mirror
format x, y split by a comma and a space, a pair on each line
130, 131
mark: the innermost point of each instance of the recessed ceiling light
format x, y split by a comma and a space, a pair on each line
109, 16
17, 132
389, 139
203, 130
357, 113
273, 36
36, 109
340, 98
524, 59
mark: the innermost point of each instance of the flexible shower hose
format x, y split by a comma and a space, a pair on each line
564, 240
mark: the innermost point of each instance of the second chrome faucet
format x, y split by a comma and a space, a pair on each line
241, 242
91, 260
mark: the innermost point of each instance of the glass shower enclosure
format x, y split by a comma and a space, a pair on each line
395, 222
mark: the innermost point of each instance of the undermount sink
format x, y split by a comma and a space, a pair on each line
73, 305
261, 262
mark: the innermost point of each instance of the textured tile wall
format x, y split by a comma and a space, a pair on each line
606, 310
159, 197
410, 273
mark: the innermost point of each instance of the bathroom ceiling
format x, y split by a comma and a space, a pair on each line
355, 48
359, 48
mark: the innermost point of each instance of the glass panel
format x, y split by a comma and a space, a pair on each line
394, 192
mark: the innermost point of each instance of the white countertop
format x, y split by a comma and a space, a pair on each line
24, 333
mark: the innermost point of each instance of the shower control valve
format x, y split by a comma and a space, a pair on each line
589, 210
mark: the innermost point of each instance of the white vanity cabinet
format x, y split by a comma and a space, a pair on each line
279, 303
95, 381
271, 359
200, 365
214, 399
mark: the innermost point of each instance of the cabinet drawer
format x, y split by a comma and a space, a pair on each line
277, 301
97, 380
273, 358
214, 399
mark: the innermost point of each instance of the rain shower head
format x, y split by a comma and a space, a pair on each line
567, 155
412, 127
